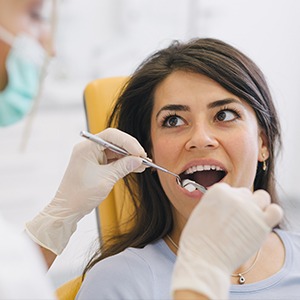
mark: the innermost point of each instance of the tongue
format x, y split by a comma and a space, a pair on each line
208, 178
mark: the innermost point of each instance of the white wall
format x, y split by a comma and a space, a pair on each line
111, 37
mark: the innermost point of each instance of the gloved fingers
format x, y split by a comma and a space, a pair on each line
123, 140
140, 169
126, 165
273, 215
87, 151
262, 198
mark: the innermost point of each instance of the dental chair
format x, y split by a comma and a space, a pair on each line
114, 211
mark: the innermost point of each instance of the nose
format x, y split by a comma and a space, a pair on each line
202, 136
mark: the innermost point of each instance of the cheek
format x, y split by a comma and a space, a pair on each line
243, 151
164, 151
35, 29
243, 143
27, 24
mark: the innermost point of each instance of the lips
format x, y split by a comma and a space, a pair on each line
206, 175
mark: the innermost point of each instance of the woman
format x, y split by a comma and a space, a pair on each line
202, 110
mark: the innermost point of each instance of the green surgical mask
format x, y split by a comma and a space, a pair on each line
23, 65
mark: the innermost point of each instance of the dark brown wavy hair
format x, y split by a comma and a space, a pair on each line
132, 114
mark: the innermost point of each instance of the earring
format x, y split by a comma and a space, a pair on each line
264, 164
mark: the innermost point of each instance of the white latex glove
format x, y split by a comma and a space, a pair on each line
224, 230
90, 176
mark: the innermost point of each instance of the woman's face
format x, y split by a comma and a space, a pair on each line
200, 129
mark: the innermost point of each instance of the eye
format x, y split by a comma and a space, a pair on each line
38, 10
172, 121
37, 16
227, 115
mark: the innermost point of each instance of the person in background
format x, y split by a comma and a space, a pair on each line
203, 110
23, 268
26, 44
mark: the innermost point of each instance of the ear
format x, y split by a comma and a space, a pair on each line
263, 150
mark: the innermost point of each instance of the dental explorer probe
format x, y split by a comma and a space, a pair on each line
147, 162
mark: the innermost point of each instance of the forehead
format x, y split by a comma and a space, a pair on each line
181, 86
19, 5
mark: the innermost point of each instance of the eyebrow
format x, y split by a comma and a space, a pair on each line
180, 107
223, 102
174, 107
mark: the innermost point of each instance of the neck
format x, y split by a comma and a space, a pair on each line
270, 261
172, 243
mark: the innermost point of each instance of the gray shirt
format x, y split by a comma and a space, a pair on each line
146, 274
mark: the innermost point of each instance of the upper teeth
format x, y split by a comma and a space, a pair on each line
194, 169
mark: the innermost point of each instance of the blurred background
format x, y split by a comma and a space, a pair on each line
110, 38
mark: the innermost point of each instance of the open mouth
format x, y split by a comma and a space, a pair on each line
205, 175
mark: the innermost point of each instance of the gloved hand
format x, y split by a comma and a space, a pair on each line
224, 230
89, 177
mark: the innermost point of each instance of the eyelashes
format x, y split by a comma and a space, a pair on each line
171, 120
223, 115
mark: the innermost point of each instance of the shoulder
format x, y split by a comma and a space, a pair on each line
155, 252
291, 242
289, 238
130, 274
